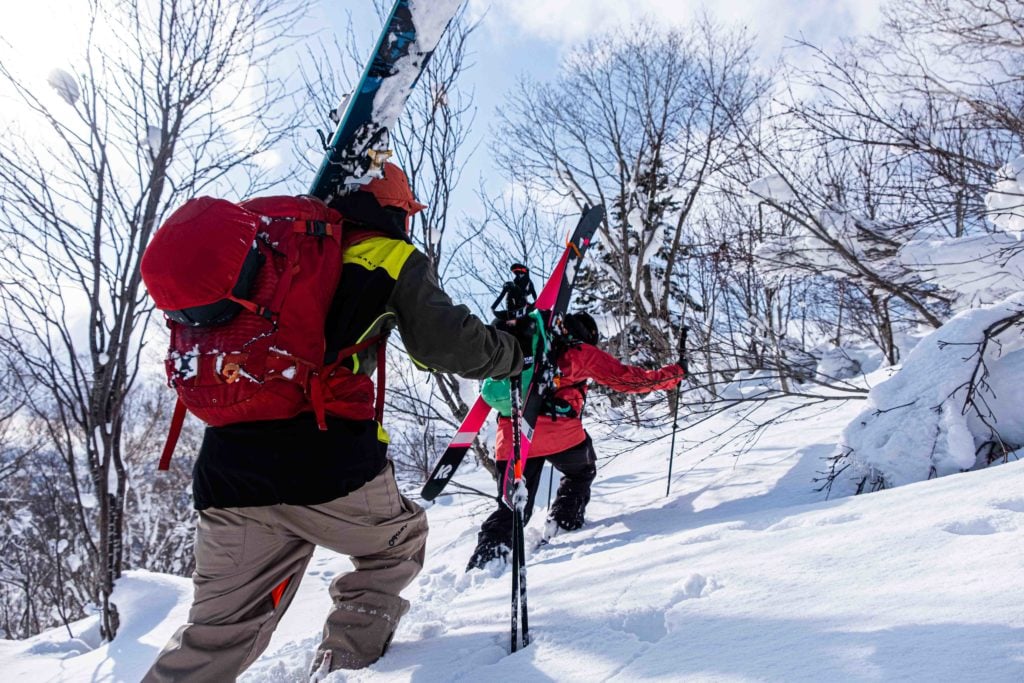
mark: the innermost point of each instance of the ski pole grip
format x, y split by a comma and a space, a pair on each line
682, 351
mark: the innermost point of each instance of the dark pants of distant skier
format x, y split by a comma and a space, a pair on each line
578, 466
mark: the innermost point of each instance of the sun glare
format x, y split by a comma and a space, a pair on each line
42, 35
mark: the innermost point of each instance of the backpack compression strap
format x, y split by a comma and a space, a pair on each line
316, 385
316, 397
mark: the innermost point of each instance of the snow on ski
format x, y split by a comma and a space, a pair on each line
360, 143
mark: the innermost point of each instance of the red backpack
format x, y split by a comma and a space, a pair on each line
246, 289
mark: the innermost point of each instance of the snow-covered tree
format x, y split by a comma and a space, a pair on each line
955, 403
167, 100
952, 406
641, 121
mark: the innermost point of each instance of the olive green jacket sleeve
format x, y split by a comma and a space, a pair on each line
444, 336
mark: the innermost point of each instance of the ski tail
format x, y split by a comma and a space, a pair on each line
555, 295
460, 444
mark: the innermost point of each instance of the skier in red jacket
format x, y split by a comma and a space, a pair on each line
559, 436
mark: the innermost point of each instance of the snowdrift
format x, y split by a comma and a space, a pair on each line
742, 574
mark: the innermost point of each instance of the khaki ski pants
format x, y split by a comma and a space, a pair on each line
249, 562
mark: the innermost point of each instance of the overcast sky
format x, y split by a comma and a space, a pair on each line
565, 22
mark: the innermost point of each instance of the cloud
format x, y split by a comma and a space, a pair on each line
569, 22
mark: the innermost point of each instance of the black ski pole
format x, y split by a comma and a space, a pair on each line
517, 504
551, 478
523, 611
675, 410
515, 386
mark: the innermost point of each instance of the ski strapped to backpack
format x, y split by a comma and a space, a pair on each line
360, 144
246, 289
552, 303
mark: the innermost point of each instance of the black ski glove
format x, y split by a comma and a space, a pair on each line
524, 330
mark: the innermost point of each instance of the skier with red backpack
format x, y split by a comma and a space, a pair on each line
279, 310
559, 436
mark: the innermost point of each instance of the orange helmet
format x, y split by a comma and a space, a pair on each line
392, 189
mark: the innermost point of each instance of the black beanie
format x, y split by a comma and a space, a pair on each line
582, 327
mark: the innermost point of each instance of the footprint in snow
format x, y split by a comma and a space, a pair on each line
975, 527
428, 629
647, 625
442, 577
478, 577
703, 537
1013, 505
677, 613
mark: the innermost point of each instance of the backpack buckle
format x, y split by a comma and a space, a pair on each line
318, 228
232, 372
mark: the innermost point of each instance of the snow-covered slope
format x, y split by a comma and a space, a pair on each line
743, 573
